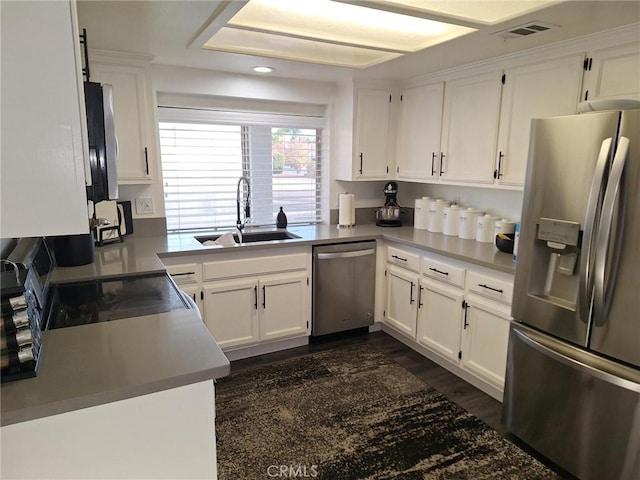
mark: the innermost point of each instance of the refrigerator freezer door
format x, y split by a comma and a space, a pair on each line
616, 329
581, 412
568, 162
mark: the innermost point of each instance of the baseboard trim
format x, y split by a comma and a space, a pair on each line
265, 348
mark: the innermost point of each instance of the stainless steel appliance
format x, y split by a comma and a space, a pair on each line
573, 372
23, 291
343, 287
103, 144
389, 215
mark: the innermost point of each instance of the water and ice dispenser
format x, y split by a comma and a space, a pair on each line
557, 246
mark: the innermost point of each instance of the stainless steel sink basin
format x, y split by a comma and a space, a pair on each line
251, 237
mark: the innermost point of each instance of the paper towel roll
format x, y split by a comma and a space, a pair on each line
420, 213
346, 210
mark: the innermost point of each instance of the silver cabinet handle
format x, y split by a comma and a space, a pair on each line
614, 195
572, 362
355, 253
590, 232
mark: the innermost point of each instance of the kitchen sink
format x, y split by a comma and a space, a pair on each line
251, 237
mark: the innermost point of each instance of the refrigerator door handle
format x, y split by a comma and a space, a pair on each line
611, 229
587, 261
571, 362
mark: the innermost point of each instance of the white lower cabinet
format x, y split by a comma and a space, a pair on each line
401, 307
439, 319
256, 298
246, 311
249, 298
486, 338
188, 278
235, 304
455, 313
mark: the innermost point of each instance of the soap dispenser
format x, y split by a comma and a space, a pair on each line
281, 219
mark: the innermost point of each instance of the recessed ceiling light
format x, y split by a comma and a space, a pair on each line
261, 69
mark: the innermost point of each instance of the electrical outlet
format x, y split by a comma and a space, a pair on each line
144, 205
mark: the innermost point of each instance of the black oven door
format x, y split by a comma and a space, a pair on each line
86, 302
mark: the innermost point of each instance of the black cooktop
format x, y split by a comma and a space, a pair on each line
82, 303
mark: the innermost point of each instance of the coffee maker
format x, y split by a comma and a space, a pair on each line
389, 215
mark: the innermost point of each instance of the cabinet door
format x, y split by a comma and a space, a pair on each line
532, 91
194, 292
419, 133
371, 133
470, 127
131, 119
284, 305
231, 312
613, 73
42, 190
440, 319
486, 338
402, 300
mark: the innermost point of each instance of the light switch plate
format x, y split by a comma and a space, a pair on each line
144, 205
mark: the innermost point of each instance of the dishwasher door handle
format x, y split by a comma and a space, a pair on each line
355, 253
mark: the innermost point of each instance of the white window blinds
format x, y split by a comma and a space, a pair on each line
204, 153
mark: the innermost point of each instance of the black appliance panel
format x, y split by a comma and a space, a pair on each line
82, 303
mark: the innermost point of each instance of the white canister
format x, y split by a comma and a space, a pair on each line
420, 213
485, 228
504, 226
450, 220
467, 223
436, 215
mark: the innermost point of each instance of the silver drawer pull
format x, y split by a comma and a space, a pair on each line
438, 271
182, 273
499, 290
399, 258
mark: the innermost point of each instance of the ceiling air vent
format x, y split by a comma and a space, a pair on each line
525, 30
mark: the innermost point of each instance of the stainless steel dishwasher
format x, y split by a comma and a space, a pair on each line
343, 286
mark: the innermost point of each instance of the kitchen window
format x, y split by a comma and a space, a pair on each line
205, 152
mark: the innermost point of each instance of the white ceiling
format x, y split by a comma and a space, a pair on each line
164, 29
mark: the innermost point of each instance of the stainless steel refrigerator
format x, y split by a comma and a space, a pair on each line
573, 372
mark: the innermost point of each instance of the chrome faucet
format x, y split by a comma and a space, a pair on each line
247, 209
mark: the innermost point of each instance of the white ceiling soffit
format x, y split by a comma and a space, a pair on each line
322, 31
465, 12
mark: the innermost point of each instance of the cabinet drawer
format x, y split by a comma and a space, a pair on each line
403, 258
497, 289
443, 272
254, 266
186, 273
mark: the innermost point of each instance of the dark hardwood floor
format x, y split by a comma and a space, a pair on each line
454, 388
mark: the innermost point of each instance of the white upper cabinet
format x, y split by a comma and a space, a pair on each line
613, 73
371, 148
542, 89
134, 115
470, 128
419, 132
361, 132
43, 121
